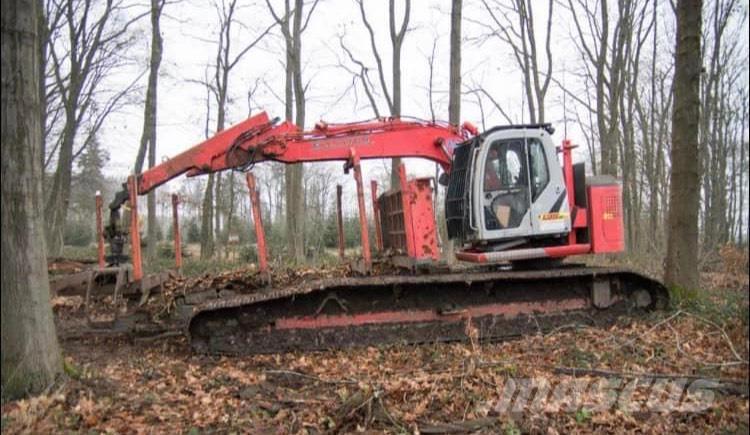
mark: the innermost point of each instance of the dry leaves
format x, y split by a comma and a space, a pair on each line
123, 386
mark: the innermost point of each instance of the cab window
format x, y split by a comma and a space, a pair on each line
505, 167
539, 169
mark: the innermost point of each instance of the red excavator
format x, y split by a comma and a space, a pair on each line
514, 211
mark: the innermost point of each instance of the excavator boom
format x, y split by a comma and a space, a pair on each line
259, 139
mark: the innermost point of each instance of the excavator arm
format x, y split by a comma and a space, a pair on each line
259, 138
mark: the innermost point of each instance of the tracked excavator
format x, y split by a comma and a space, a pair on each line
514, 209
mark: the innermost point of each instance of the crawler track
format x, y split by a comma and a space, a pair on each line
391, 309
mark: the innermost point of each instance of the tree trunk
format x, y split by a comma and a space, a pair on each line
298, 196
148, 136
31, 357
44, 36
56, 209
454, 102
684, 196
397, 40
295, 105
207, 214
230, 209
218, 207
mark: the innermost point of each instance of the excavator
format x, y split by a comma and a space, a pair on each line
513, 208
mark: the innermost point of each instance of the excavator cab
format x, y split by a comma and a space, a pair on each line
513, 188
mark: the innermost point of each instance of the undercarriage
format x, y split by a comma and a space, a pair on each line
412, 309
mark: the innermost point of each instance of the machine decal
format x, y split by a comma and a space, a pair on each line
342, 142
558, 203
553, 216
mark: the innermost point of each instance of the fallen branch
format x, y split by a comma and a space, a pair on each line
458, 427
723, 333
699, 361
310, 377
152, 338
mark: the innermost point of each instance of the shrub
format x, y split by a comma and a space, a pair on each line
193, 231
249, 253
78, 233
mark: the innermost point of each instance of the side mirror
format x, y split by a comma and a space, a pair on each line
443, 179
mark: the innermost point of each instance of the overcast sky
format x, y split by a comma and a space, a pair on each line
190, 31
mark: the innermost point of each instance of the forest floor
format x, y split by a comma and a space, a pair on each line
680, 370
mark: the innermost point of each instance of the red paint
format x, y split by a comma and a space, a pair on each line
423, 225
198, 156
579, 217
258, 138
406, 193
364, 232
99, 232
340, 221
508, 310
176, 232
568, 250
260, 235
135, 234
376, 215
567, 150
471, 257
409, 220
606, 227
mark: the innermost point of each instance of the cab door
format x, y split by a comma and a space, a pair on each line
502, 188
549, 205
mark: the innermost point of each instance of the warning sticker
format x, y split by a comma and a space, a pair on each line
555, 216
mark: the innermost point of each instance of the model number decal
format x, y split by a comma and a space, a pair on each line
342, 142
554, 216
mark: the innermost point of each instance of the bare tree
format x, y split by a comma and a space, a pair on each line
292, 24
723, 67
86, 47
148, 136
600, 38
681, 269
480, 93
31, 357
633, 43
218, 87
397, 34
514, 25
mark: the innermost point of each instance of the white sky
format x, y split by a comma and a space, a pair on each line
189, 28
187, 52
